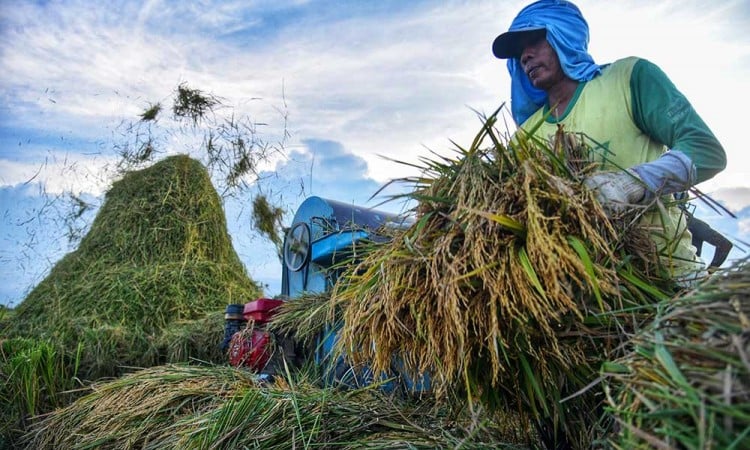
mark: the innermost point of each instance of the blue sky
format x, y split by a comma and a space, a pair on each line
352, 82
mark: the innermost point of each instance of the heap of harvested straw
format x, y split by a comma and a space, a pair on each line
157, 260
686, 381
511, 285
186, 407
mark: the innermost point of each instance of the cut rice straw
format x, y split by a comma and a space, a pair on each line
506, 287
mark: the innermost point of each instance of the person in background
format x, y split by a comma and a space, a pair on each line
650, 142
702, 232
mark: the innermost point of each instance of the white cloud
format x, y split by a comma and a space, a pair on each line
736, 199
377, 94
744, 228
379, 84
61, 172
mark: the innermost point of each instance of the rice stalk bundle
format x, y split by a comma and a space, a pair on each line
158, 254
303, 415
304, 318
136, 410
686, 381
510, 285
189, 407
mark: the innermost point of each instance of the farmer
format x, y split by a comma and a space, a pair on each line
648, 140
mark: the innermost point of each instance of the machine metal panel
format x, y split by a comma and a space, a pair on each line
330, 228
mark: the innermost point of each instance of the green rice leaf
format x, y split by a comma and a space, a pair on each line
523, 257
532, 385
614, 367
506, 221
642, 285
589, 265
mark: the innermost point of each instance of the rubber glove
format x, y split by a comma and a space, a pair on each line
617, 191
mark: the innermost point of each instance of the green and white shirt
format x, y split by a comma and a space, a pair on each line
632, 113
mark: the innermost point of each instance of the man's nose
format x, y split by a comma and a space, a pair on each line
526, 55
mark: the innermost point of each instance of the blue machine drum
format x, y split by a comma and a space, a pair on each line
308, 248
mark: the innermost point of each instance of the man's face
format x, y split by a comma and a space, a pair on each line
539, 61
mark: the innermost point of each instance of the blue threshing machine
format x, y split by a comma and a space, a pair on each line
323, 233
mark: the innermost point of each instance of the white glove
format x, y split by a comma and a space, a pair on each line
616, 191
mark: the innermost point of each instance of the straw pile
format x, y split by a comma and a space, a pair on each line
157, 261
511, 286
188, 407
686, 381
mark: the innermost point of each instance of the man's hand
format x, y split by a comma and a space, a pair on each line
616, 191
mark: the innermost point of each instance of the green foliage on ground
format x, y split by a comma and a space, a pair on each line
686, 381
36, 376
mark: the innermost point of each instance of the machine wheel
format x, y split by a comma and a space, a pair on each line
297, 247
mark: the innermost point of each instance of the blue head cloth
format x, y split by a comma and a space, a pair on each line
567, 33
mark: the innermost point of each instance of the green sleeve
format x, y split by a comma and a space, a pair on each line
663, 113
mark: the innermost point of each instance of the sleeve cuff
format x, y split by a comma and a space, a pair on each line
672, 172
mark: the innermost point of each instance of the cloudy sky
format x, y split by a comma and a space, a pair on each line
352, 83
